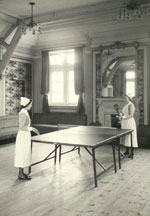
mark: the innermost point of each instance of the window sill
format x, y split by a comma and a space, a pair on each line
72, 109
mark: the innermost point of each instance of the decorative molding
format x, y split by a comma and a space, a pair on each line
98, 33
78, 13
90, 21
108, 56
118, 45
106, 109
107, 78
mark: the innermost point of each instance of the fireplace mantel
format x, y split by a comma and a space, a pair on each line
106, 110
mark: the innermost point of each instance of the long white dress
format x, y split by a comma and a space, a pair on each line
129, 123
23, 141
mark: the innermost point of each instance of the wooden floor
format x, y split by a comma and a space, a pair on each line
67, 189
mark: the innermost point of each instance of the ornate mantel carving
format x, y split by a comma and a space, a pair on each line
106, 109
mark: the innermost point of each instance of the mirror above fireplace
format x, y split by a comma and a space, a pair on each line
118, 69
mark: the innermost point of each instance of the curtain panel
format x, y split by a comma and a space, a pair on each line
45, 80
79, 78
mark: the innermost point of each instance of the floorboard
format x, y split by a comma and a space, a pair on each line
67, 189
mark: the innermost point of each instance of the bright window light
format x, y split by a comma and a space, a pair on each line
57, 87
62, 92
71, 97
130, 88
57, 59
70, 58
130, 83
130, 75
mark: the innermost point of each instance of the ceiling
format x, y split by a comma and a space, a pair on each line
73, 23
21, 8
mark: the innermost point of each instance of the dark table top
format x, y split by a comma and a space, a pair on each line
86, 136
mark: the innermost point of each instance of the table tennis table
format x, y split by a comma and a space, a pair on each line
88, 137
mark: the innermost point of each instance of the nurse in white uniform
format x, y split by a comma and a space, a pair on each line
23, 139
128, 122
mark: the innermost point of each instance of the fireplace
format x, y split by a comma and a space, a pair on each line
106, 112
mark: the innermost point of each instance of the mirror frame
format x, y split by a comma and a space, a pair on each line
110, 49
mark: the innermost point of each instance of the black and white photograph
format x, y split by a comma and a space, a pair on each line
74, 107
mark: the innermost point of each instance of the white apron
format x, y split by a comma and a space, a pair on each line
23, 145
129, 124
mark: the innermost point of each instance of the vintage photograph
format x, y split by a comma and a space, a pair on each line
74, 108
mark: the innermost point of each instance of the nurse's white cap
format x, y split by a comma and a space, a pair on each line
24, 101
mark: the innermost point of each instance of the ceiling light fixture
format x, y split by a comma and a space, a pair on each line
137, 8
32, 25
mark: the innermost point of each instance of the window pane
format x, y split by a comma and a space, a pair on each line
70, 58
71, 87
54, 97
71, 76
59, 59
60, 87
57, 76
60, 97
57, 98
52, 60
54, 76
62, 78
72, 98
57, 87
130, 88
130, 75
54, 87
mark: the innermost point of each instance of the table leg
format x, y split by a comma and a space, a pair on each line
78, 150
59, 153
131, 146
55, 158
114, 157
119, 159
29, 170
94, 166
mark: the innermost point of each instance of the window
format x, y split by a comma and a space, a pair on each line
62, 91
130, 83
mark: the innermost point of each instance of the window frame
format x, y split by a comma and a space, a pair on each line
65, 68
131, 80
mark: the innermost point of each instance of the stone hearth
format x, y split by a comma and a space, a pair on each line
106, 110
